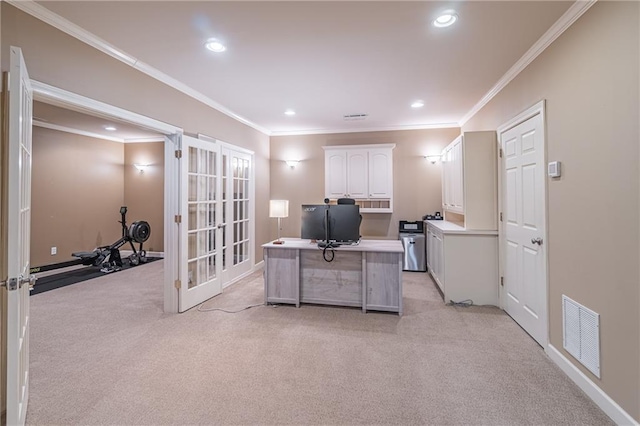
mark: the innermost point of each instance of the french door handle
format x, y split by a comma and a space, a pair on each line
222, 225
537, 241
32, 281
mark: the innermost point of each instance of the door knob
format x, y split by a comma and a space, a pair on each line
221, 225
537, 241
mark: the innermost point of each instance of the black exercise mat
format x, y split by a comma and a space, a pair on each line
52, 282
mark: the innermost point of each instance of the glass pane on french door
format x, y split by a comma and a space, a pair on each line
201, 226
241, 205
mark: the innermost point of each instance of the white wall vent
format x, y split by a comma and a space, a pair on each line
352, 117
581, 334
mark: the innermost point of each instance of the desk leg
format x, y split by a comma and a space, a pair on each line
265, 275
364, 282
400, 285
299, 283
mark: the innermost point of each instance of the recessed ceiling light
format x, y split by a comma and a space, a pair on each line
290, 112
110, 128
215, 45
446, 19
417, 104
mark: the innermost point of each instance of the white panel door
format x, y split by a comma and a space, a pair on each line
19, 229
237, 205
201, 241
524, 248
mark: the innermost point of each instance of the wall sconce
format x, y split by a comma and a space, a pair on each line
292, 163
279, 209
432, 158
141, 167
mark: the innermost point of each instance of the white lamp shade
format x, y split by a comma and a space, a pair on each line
279, 208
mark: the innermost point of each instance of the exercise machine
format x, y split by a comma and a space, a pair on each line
108, 257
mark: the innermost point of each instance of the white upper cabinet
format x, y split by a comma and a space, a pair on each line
453, 177
335, 176
469, 180
357, 175
362, 172
380, 173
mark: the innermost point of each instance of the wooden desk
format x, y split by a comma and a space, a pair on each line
368, 275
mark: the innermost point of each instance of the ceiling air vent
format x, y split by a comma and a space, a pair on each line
353, 117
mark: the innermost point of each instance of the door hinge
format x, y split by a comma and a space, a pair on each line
500, 216
502, 281
10, 284
500, 152
178, 153
177, 284
178, 218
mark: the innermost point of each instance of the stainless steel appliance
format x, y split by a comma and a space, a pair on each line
413, 240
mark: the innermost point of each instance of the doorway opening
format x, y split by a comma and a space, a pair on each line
85, 170
171, 138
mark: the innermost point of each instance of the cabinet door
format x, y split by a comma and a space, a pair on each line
429, 249
446, 177
380, 173
439, 260
457, 199
335, 173
357, 173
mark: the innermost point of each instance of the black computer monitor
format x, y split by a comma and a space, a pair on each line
344, 223
313, 218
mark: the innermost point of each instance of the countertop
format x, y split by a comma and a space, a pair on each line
382, 246
452, 228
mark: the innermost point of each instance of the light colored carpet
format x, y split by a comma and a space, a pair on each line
103, 352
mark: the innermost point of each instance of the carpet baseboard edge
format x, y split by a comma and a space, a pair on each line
602, 400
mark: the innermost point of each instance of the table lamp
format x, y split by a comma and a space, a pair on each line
279, 209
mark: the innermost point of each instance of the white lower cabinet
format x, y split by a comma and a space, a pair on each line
463, 263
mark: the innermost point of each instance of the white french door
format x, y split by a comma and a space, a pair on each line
18, 210
202, 223
523, 244
237, 217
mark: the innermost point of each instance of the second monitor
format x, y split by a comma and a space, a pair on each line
323, 222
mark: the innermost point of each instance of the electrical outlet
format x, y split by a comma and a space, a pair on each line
54, 251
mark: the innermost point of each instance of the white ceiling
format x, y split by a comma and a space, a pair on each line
66, 120
326, 59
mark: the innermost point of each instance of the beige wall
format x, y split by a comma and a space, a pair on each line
144, 192
78, 186
590, 79
62, 61
417, 182
77, 191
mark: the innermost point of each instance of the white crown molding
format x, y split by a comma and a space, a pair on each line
574, 12
66, 26
45, 15
370, 129
593, 391
144, 140
75, 131
66, 129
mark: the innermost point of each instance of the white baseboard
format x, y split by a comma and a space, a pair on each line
604, 401
258, 265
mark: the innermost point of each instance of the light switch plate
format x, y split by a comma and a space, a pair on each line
554, 169
54, 251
